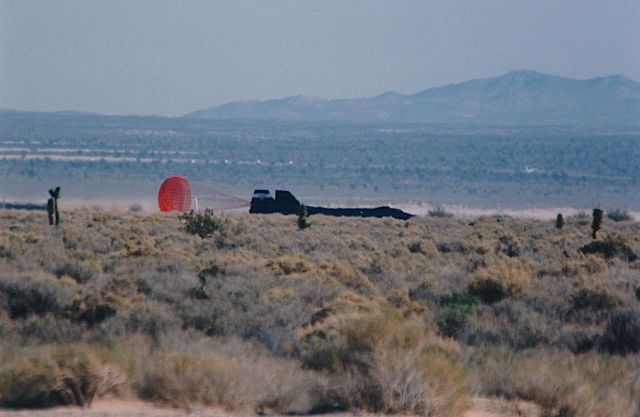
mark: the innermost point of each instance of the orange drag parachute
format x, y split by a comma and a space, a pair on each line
177, 194
174, 195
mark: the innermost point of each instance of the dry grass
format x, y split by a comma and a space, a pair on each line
382, 313
385, 362
55, 375
235, 381
562, 383
502, 278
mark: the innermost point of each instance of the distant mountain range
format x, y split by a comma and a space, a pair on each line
516, 98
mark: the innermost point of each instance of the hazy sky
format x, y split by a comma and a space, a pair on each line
172, 57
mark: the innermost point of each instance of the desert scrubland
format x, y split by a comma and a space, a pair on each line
379, 315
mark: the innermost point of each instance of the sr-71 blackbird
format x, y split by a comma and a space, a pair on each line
285, 203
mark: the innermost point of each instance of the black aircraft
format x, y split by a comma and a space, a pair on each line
285, 203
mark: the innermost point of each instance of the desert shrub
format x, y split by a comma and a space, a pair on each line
458, 308
168, 285
498, 281
592, 304
422, 292
508, 245
590, 265
79, 271
25, 301
54, 375
39, 295
581, 218
149, 318
242, 379
415, 247
453, 318
206, 276
212, 271
11, 245
262, 307
49, 328
593, 299
143, 286
610, 248
203, 224
182, 379
449, 247
350, 277
290, 264
92, 306
490, 289
383, 362
578, 341
426, 248
561, 383
622, 334
512, 322
91, 309
138, 246
439, 211
619, 215
203, 316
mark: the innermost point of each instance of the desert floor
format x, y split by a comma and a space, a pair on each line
482, 407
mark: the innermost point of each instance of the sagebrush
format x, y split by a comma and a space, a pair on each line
373, 314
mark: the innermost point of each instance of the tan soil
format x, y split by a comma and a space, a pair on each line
491, 407
482, 407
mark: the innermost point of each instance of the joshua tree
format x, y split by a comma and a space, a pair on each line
559, 221
597, 221
52, 206
303, 217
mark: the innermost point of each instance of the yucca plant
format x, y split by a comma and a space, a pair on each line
303, 217
596, 223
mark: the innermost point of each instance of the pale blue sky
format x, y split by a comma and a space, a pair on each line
172, 57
